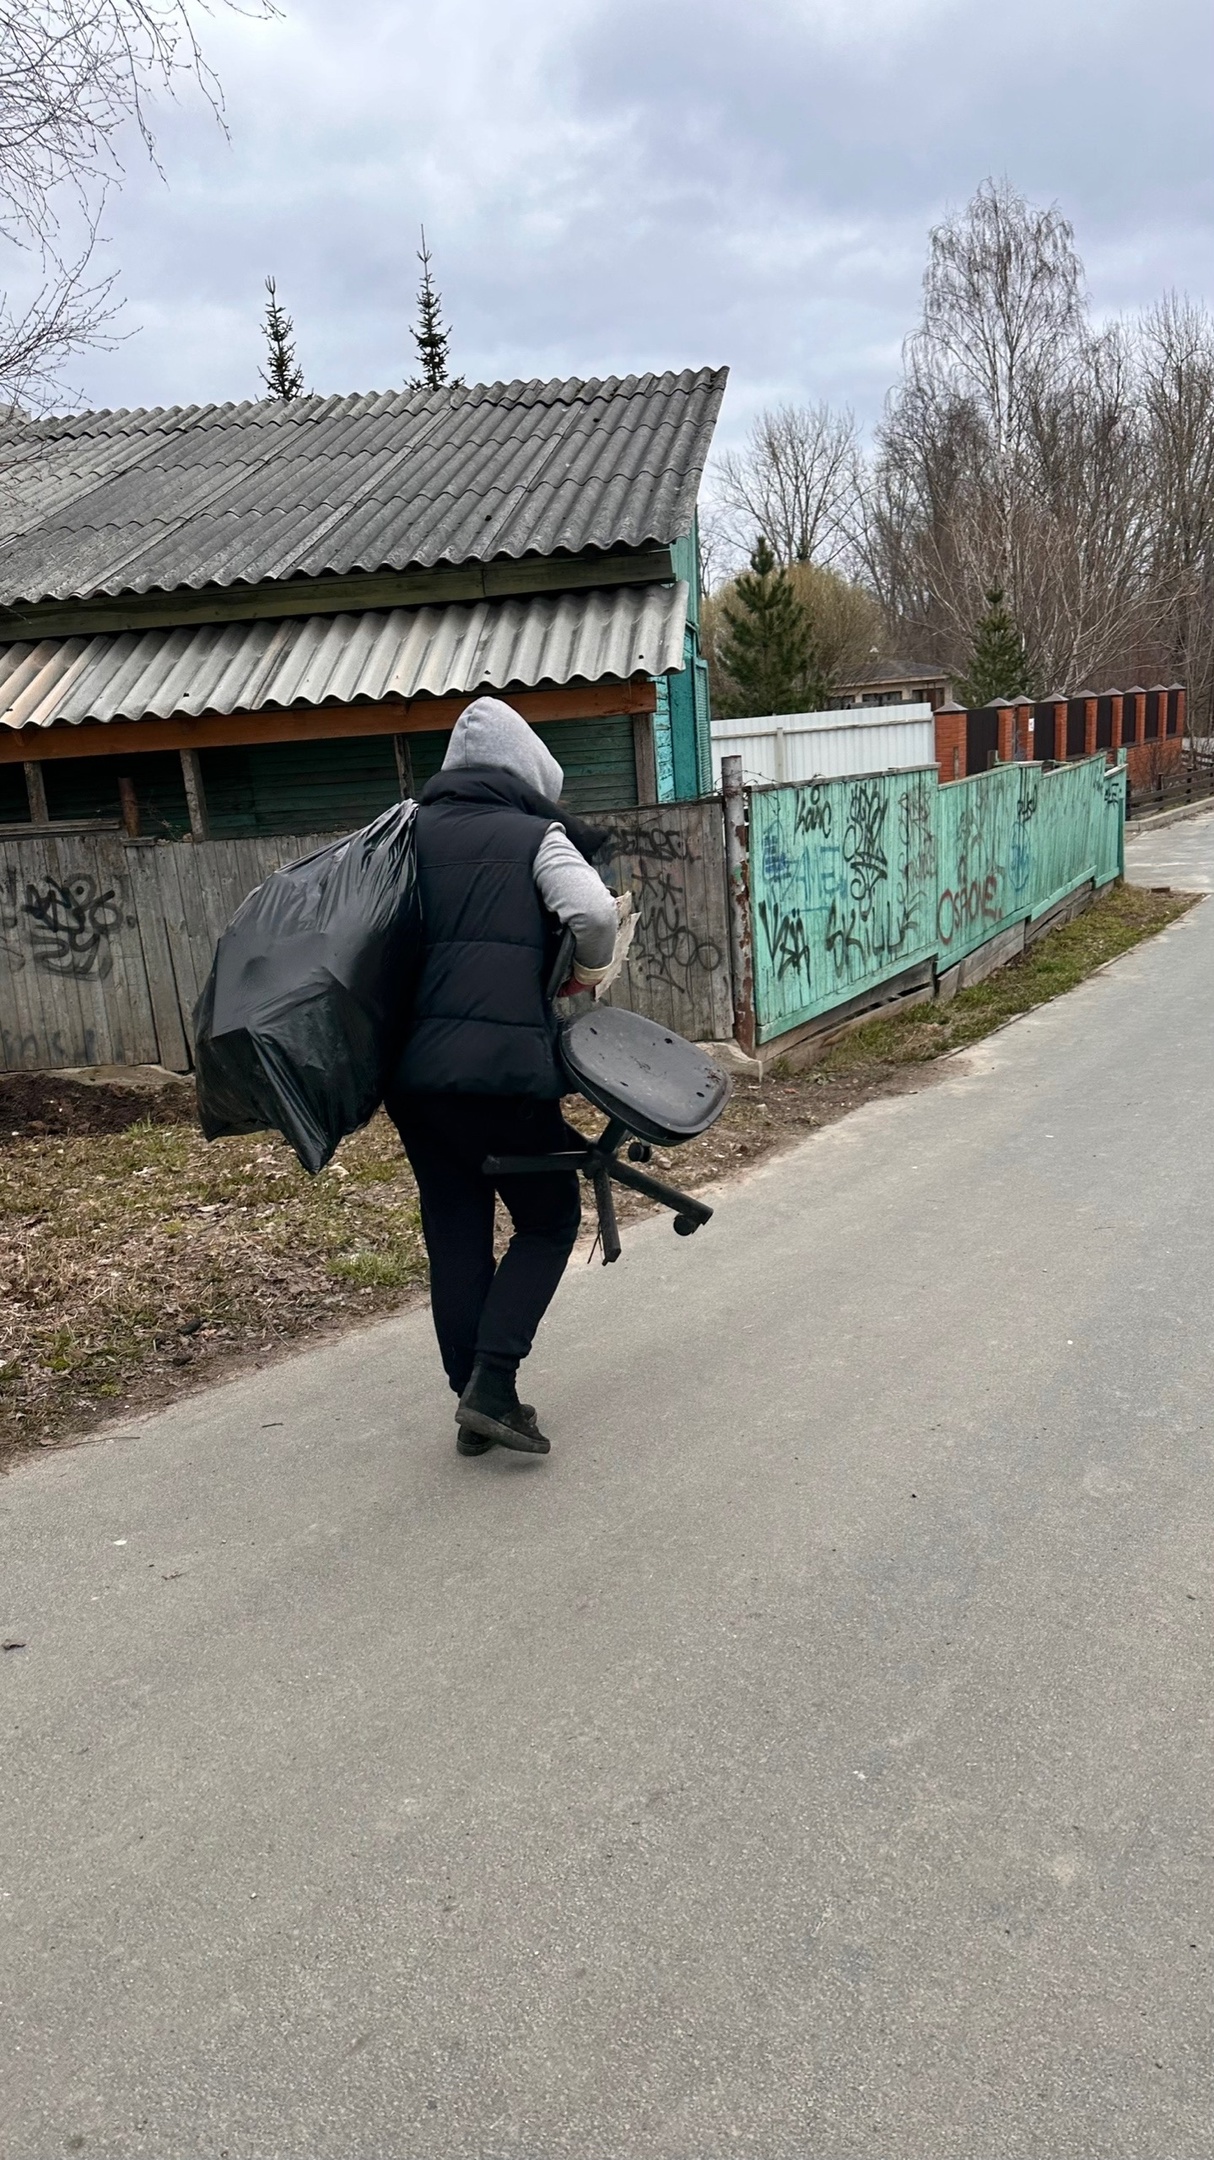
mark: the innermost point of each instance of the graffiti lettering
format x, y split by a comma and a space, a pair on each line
864, 844
778, 867
917, 839
70, 926
654, 860
973, 900
843, 940
787, 943
38, 1053
814, 812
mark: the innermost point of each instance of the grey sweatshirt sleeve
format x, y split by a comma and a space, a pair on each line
577, 896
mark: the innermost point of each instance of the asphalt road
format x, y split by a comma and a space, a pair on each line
1181, 855
812, 1757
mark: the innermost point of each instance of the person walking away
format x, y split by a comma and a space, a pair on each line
502, 873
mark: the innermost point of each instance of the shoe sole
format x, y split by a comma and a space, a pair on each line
507, 1436
468, 1444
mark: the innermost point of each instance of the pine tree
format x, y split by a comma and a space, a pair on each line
999, 662
431, 336
283, 377
767, 649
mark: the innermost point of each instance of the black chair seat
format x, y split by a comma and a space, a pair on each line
656, 1083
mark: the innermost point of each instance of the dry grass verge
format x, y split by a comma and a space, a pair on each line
138, 1261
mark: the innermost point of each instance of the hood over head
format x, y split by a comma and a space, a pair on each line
491, 733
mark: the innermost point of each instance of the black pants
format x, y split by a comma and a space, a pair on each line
483, 1309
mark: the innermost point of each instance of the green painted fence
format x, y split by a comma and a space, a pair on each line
855, 881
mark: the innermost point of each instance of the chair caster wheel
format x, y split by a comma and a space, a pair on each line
684, 1226
639, 1151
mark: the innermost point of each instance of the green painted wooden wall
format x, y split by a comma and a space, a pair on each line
855, 881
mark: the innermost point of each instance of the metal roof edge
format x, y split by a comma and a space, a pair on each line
556, 390
333, 593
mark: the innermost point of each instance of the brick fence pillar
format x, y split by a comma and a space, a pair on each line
950, 741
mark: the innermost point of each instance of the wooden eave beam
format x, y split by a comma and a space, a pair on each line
324, 723
334, 595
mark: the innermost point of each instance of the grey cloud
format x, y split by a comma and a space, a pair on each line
623, 184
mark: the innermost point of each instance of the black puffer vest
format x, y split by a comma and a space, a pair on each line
481, 1022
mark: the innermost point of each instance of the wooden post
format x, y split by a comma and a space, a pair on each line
737, 863
129, 804
1005, 722
644, 757
195, 794
35, 788
404, 766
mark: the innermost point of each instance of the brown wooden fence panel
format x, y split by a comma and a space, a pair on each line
73, 979
105, 943
672, 858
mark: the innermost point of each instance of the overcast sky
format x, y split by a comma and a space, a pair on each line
615, 185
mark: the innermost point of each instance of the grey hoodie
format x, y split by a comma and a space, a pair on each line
491, 733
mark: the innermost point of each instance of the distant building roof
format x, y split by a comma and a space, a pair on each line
896, 671
220, 495
321, 660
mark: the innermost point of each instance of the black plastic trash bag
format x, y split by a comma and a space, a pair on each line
307, 1003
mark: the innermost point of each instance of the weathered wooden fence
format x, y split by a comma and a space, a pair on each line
672, 859
854, 882
105, 942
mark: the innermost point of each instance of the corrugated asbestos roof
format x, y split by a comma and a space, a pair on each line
343, 659
189, 496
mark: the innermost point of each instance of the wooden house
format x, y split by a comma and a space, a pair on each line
265, 618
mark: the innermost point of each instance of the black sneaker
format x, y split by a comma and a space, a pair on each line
490, 1413
469, 1443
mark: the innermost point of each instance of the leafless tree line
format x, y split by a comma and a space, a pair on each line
75, 77
1024, 447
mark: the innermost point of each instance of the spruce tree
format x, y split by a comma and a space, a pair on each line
431, 336
283, 377
767, 649
999, 663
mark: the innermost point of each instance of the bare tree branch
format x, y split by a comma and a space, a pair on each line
1023, 450
73, 74
792, 483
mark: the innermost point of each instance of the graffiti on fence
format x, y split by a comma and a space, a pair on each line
843, 939
972, 904
844, 876
864, 844
814, 812
68, 925
1020, 855
778, 865
881, 918
917, 838
669, 948
43, 1050
787, 944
